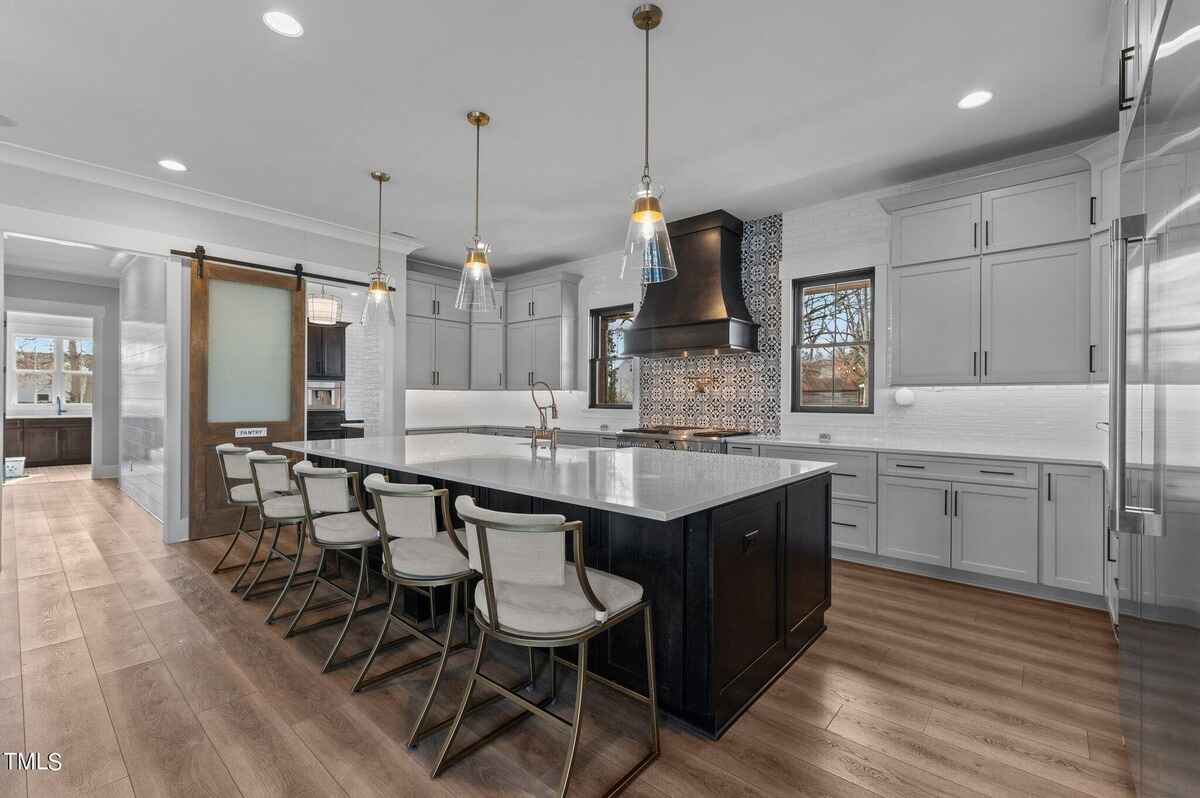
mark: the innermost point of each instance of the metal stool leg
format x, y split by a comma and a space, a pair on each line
462, 707
272, 552
651, 688
581, 683
237, 533
312, 588
291, 576
250, 560
437, 676
362, 577
383, 630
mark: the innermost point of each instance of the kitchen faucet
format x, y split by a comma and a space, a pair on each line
542, 432
59, 407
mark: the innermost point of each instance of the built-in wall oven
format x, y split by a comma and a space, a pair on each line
325, 395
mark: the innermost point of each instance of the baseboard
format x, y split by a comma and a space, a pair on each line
106, 471
1058, 594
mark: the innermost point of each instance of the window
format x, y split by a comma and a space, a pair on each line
46, 366
833, 352
611, 368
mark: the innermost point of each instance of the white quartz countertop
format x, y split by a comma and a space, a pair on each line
45, 416
1015, 450
651, 483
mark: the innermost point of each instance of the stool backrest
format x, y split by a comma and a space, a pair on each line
324, 490
235, 469
269, 473
403, 510
521, 548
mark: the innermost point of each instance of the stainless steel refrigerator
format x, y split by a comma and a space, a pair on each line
1154, 413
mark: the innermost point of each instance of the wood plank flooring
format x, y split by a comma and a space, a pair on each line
151, 679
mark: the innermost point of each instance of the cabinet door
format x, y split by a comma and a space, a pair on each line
1033, 214
520, 354
420, 349
936, 231
995, 531
418, 298
1106, 189
444, 297
452, 354
854, 525
548, 352
547, 300
41, 444
333, 346
915, 519
520, 304
935, 323
1035, 314
495, 317
75, 442
1099, 320
1073, 528
487, 357
13, 444
315, 364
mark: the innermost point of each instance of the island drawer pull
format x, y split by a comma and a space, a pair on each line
848, 476
998, 473
843, 523
906, 465
749, 538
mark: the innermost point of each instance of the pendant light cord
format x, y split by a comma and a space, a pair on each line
379, 232
477, 184
646, 143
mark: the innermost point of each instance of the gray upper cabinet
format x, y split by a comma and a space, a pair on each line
520, 354
452, 353
936, 231
487, 357
915, 519
428, 298
1072, 528
1036, 315
419, 346
1033, 214
549, 353
419, 298
445, 296
995, 531
496, 316
1101, 275
935, 323
547, 300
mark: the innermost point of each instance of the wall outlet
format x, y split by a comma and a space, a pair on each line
250, 432
825, 437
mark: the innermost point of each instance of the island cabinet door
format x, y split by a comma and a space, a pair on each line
809, 548
747, 587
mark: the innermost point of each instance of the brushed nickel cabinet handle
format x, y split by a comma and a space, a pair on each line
998, 473
843, 523
914, 467
848, 476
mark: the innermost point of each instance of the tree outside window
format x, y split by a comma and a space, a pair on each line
611, 369
46, 366
834, 348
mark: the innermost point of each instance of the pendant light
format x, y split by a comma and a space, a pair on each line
476, 292
323, 309
647, 245
378, 308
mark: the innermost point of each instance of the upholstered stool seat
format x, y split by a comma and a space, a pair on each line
289, 507
558, 609
234, 463
244, 494
344, 529
428, 557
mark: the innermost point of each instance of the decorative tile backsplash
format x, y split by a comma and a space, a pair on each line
729, 391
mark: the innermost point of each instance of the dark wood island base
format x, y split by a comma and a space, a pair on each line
739, 591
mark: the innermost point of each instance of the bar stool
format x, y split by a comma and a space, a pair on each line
337, 521
239, 491
281, 507
530, 596
417, 556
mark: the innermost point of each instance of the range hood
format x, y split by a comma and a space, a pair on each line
703, 310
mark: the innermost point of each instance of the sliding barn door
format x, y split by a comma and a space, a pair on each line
246, 376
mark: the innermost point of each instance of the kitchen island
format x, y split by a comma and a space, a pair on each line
733, 552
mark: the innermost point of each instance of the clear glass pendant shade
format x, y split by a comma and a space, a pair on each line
648, 246
378, 308
476, 292
323, 309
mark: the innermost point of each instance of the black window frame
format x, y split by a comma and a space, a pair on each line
595, 363
832, 278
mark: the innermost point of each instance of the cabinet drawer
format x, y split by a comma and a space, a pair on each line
747, 449
853, 477
578, 439
854, 525
609, 441
986, 472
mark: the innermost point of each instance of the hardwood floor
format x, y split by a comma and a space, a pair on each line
150, 678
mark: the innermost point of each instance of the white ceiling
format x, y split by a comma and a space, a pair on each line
759, 105
49, 259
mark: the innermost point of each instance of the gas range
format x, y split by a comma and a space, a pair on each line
692, 439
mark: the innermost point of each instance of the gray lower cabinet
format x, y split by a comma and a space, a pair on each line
1072, 528
994, 531
578, 439
853, 525
487, 357
935, 323
853, 476
914, 519
609, 441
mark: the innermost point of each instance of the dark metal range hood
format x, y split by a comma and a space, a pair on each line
703, 310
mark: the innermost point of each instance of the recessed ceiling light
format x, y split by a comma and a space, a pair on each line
172, 165
7, 121
353, 293
283, 23
45, 240
975, 99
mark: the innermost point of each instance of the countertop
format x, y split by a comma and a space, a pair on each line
46, 416
650, 483
579, 428
1017, 450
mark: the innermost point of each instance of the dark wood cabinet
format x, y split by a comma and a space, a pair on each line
54, 440
327, 351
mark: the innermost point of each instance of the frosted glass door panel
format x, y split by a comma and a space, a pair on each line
249, 352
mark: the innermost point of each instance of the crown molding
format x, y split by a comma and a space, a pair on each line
61, 277
48, 162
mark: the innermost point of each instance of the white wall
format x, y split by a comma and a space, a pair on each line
58, 296
143, 410
601, 287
